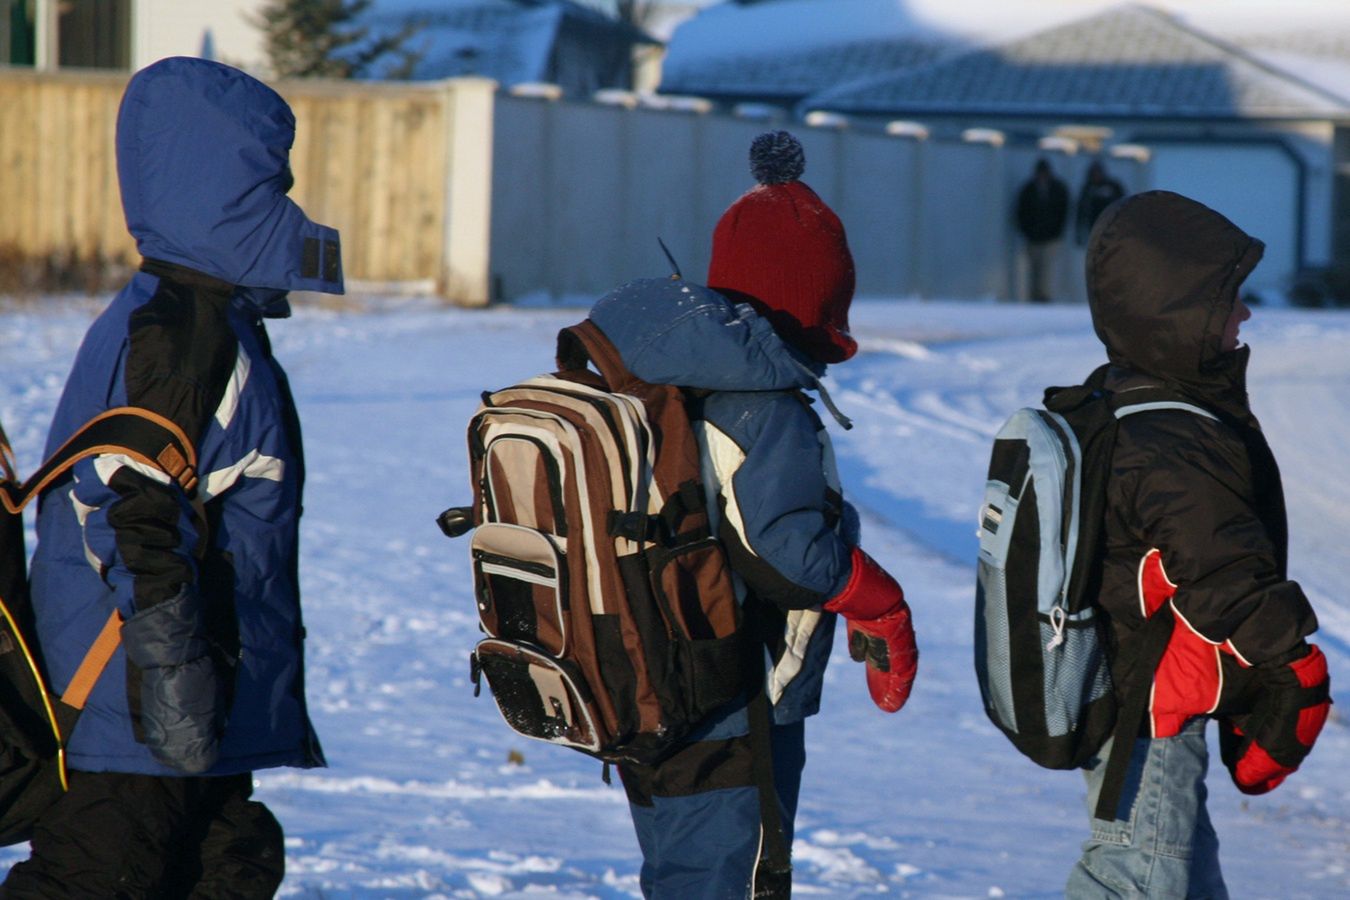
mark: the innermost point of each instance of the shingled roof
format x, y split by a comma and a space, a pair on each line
510, 41
789, 75
784, 51
1318, 53
1128, 61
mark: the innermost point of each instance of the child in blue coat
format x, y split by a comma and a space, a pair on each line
208, 683
781, 279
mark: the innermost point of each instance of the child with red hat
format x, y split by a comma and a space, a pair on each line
715, 818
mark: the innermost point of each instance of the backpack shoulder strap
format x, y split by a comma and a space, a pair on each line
91, 667
584, 343
1127, 406
1150, 397
145, 436
1150, 643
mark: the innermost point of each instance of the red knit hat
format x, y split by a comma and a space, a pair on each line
783, 250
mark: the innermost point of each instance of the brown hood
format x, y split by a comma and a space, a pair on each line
1162, 275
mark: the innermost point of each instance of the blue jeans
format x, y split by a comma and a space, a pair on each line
1164, 846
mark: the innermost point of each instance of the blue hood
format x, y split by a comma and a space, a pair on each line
671, 331
203, 160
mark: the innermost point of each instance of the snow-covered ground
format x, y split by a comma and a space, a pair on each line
430, 795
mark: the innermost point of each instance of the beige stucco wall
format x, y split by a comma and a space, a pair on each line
163, 28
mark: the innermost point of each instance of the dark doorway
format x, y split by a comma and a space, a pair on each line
17, 33
94, 34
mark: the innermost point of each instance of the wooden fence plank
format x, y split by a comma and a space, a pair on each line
369, 159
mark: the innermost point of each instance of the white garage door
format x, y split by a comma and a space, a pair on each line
1256, 186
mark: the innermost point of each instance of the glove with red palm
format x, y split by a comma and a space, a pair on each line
880, 632
1289, 707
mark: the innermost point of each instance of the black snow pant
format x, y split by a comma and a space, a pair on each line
145, 837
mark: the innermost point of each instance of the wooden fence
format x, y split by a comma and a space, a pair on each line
372, 160
458, 189
58, 176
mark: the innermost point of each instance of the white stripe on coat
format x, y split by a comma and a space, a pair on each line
229, 404
82, 512
721, 457
107, 465
253, 465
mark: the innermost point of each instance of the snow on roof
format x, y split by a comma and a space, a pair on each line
1126, 61
790, 75
1330, 73
510, 41
790, 48
787, 49
504, 40
1316, 53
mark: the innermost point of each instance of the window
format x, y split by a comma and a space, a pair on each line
17, 33
93, 34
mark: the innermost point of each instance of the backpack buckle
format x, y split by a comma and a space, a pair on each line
635, 526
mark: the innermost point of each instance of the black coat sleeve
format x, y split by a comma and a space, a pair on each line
181, 353
1196, 503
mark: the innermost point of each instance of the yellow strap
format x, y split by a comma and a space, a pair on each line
77, 692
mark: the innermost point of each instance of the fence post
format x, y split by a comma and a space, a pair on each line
466, 255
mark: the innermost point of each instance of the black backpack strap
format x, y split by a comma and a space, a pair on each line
773, 872
1146, 648
146, 437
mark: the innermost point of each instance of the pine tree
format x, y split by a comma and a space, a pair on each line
319, 39
637, 13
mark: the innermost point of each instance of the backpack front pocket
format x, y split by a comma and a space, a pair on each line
520, 581
682, 577
523, 480
707, 649
538, 696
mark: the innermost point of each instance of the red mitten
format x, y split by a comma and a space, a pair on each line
1265, 746
879, 630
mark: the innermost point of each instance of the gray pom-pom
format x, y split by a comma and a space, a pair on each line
776, 157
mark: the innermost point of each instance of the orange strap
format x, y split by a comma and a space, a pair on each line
7, 467
77, 692
145, 436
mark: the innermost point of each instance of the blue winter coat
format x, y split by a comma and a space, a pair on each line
767, 464
210, 677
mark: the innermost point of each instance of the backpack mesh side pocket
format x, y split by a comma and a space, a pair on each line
538, 696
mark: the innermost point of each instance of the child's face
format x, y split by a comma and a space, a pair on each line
1241, 313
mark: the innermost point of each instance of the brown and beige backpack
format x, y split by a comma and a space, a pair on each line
610, 617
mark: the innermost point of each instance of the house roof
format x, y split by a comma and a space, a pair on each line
788, 49
510, 41
1318, 54
791, 75
1127, 61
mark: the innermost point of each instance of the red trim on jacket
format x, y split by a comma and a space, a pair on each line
1189, 679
